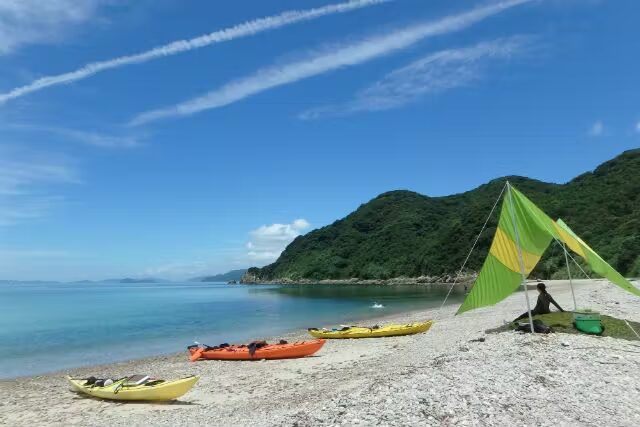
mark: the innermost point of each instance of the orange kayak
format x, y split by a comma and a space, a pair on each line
269, 351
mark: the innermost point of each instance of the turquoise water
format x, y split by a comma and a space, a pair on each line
47, 327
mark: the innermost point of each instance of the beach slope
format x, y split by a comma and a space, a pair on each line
445, 376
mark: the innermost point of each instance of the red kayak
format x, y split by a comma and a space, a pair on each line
266, 351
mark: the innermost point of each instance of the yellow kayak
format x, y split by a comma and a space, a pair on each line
373, 332
162, 390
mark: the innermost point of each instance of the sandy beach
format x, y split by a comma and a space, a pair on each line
441, 377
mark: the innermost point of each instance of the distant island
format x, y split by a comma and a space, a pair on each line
143, 280
403, 236
125, 280
230, 276
87, 282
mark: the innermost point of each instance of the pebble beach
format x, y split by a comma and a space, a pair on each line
455, 374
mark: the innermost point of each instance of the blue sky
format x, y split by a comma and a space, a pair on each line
210, 134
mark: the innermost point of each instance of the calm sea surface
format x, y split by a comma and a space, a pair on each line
48, 327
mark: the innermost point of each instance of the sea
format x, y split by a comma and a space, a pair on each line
48, 327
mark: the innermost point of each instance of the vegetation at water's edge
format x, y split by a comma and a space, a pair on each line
563, 322
402, 233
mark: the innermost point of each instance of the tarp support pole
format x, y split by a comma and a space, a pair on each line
573, 294
520, 258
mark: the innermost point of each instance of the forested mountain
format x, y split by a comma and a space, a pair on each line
402, 233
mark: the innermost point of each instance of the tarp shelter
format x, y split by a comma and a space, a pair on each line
524, 232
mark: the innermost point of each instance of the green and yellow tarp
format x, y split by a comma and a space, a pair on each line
522, 225
595, 261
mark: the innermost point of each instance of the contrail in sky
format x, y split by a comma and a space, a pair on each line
434, 73
245, 29
328, 60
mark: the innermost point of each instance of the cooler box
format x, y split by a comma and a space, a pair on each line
588, 321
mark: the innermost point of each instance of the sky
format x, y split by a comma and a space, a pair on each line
182, 138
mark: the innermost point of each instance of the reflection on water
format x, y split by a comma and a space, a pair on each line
390, 293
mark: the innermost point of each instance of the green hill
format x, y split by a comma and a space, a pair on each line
402, 233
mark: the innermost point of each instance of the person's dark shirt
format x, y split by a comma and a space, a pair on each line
542, 306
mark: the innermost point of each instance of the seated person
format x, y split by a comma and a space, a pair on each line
542, 306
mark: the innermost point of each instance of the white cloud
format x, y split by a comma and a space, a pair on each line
96, 139
17, 176
241, 30
596, 129
24, 22
99, 139
332, 58
267, 242
24, 181
436, 72
264, 246
300, 224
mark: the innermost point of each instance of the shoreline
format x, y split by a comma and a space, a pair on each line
439, 377
445, 279
288, 334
